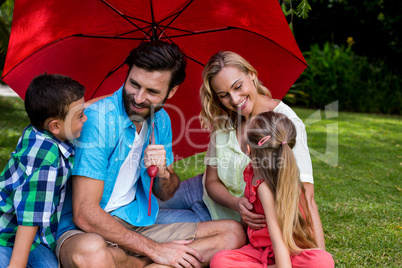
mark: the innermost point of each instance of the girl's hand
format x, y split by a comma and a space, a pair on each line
253, 220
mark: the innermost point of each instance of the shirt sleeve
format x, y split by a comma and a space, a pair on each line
93, 147
34, 199
210, 156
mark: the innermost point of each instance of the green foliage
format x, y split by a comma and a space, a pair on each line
6, 11
301, 10
6, 15
373, 24
337, 73
13, 120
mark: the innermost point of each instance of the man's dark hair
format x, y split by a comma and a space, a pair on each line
159, 56
49, 96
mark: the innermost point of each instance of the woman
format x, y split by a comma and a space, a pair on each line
231, 94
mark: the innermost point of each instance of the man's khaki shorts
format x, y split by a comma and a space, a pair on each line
158, 232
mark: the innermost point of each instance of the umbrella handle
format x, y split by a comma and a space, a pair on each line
152, 171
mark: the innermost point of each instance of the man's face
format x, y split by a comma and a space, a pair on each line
145, 92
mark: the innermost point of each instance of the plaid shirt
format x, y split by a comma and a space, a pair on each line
33, 185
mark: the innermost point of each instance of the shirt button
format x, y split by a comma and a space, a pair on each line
129, 146
116, 159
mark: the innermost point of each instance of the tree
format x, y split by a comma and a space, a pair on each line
6, 14
372, 25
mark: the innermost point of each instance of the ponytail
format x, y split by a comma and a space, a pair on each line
295, 231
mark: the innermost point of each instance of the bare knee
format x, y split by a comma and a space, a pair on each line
87, 250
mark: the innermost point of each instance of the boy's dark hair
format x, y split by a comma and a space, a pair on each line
49, 96
159, 56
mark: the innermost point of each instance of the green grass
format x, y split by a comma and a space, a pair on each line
357, 183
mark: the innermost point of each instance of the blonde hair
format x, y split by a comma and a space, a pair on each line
277, 165
214, 115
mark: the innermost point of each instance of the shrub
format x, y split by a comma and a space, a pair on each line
337, 73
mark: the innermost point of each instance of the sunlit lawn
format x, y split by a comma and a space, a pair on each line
357, 161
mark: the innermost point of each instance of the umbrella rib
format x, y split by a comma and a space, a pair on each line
234, 28
102, 37
174, 28
177, 15
58, 40
204, 32
152, 12
121, 14
109, 74
130, 32
33, 53
202, 64
168, 17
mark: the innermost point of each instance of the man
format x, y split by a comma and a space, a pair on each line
110, 184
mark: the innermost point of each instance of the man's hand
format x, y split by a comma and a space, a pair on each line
255, 221
155, 155
166, 181
177, 254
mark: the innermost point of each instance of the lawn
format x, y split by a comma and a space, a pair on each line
357, 161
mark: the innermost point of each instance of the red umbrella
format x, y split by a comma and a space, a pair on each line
89, 40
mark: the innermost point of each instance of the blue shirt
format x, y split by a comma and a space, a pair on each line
104, 144
32, 186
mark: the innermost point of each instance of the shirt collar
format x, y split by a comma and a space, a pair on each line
66, 147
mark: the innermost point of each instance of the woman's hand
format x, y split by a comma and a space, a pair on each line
255, 221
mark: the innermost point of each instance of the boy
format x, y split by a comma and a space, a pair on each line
33, 183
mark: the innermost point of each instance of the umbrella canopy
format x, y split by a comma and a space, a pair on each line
89, 40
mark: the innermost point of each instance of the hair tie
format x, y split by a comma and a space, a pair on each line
284, 142
263, 140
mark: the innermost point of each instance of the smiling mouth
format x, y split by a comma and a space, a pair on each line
242, 104
138, 107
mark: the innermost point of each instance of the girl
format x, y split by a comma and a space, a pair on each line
275, 190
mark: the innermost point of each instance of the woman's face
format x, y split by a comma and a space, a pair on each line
235, 90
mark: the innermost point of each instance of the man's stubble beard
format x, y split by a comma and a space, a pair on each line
136, 117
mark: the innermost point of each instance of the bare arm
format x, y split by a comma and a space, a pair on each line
221, 195
22, 246
318, 232
90, 217
282, 256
